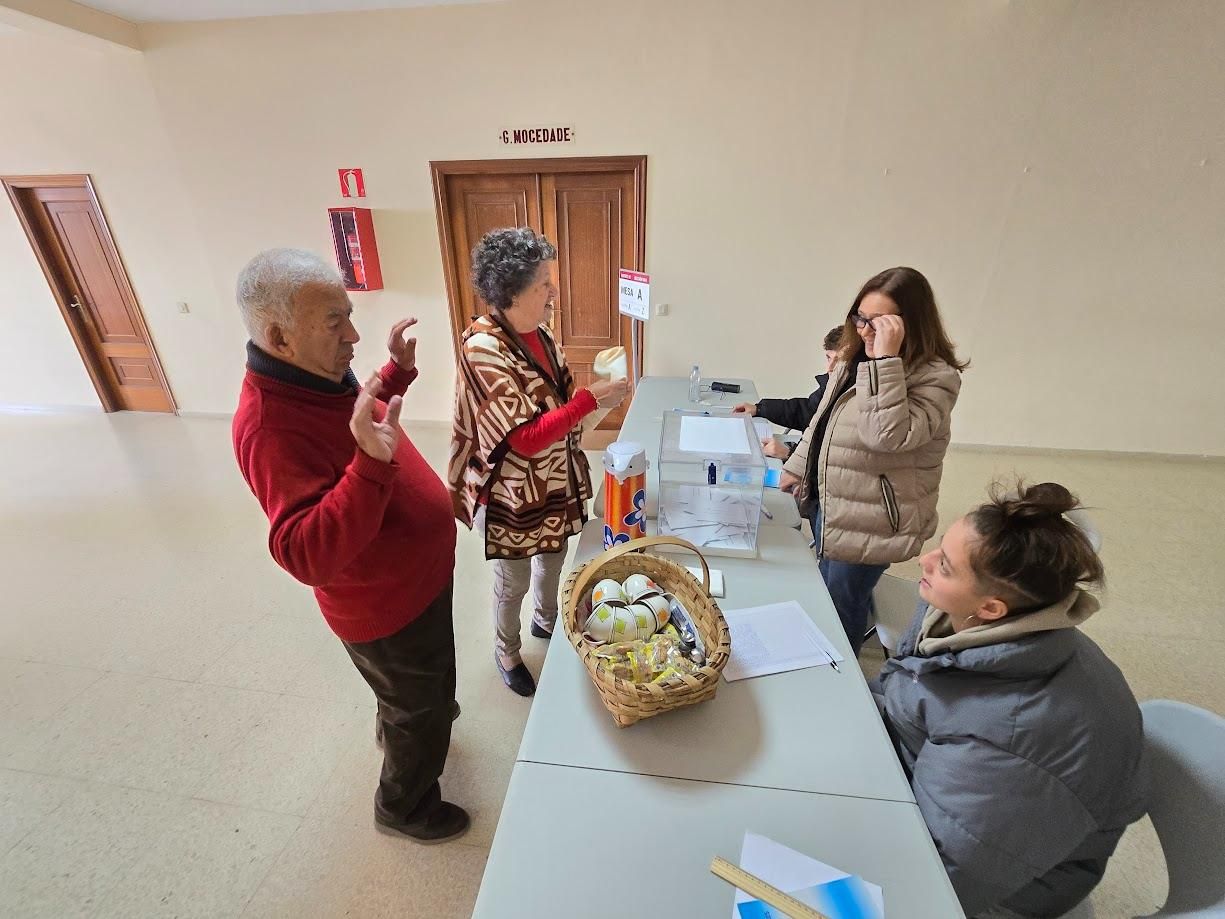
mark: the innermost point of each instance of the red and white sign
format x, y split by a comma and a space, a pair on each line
352, 185
634, 298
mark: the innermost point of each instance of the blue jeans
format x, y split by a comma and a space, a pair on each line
850, 586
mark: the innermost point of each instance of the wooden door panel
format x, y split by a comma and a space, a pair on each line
68, 232
592, 218
478, 205
82, 241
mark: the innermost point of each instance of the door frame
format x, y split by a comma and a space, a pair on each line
441, 170
18, 188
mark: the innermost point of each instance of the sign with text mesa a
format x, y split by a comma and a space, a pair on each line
634, 294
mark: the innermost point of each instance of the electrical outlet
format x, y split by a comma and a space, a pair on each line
183, 308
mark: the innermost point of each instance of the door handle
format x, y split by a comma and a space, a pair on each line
75, 303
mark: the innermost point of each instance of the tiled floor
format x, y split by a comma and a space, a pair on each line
180, 735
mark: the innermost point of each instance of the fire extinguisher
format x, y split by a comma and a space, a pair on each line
355, 258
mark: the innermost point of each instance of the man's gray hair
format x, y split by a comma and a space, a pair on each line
269, 282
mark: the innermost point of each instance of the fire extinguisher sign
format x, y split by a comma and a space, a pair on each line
352, 185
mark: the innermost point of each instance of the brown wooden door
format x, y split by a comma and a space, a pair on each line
591, 217
69, 234
592, 208
476, 205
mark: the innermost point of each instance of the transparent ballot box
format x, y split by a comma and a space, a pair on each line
711, 479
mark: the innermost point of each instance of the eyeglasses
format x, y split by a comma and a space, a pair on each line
861, 321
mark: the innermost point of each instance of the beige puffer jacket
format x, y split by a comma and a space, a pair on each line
878, 469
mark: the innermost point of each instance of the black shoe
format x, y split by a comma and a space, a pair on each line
538, 632
378, 722
518, 678
447, 822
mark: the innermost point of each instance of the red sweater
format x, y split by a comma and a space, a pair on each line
544, 430
375, 540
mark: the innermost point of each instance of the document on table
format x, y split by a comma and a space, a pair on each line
774, 639
709, 435
835, 893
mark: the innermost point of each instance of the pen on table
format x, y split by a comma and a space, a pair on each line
833, 663
769, 516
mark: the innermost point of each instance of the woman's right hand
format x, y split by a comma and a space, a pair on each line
745, 408
609, 393
789, 484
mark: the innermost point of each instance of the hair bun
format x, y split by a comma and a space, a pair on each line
1039, 503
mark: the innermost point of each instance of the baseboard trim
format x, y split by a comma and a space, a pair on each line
13, 408
214, 416
1089, 454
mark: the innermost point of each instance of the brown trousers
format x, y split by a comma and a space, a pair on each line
412, 674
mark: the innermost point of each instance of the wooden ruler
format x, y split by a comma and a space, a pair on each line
756, 887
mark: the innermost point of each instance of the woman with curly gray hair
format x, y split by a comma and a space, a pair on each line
516, 470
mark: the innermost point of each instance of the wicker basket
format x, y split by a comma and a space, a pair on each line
627, 701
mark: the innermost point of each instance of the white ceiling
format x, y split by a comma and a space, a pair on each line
195, 10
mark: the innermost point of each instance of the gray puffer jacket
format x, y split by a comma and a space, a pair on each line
1025, 753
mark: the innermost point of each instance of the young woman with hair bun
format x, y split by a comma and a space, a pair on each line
1021, 739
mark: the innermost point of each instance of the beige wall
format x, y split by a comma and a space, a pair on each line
1054, 167
71, 108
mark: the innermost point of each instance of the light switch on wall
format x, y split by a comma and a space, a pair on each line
662, 309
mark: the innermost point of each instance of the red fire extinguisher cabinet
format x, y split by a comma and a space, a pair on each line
357, 254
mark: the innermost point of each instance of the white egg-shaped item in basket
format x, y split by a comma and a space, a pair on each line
658, 604
637, 586
603, 622
607, 589
645, 622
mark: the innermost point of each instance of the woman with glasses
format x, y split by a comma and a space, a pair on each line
516, 471
867, 471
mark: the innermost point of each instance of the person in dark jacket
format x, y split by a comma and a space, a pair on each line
797, 412
1021, 739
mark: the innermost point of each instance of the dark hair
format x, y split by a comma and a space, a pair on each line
504, 263
833, 338
1028, 547
925, 338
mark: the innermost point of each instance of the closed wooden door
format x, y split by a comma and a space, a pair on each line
476, 205
70, 237
591, 218
593, 209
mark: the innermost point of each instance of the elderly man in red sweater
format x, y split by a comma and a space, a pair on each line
357, 514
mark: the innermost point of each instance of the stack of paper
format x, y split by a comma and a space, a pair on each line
835, 893
773, 639
713, 436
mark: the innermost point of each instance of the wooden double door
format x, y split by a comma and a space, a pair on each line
592, 208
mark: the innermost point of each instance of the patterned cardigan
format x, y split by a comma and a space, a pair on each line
534, 502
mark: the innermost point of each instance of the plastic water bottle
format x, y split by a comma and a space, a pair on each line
695, 384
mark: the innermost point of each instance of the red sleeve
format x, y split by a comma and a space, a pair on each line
318, 525
395, 379
544, 430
